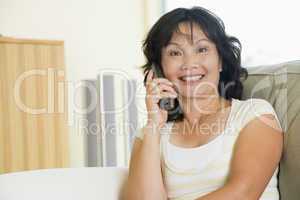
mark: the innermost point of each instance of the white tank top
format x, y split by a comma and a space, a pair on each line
190, 173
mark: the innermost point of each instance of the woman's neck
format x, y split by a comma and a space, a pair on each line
196, 110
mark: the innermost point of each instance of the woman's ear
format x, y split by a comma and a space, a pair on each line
220, 65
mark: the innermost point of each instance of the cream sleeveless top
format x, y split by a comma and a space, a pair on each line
190, 173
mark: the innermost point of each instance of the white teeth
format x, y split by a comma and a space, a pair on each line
191, 78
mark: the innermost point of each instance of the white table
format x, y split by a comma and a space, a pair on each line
90, 183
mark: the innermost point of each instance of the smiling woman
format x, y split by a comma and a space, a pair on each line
213, 145
178, 41
182, 53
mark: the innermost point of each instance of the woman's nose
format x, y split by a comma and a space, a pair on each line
189, 66
190, 62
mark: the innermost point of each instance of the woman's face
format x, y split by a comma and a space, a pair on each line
192, 66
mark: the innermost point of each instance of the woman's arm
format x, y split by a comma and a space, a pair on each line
256, 156
145, 179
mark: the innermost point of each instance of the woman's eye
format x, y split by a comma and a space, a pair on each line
203, 50
174, 53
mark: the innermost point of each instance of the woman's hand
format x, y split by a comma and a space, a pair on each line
156, 89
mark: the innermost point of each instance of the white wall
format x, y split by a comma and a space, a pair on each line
268, 30
97, 34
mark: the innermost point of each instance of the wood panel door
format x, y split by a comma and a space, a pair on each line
33, 109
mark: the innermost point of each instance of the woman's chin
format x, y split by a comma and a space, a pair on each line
202, 95
203, 91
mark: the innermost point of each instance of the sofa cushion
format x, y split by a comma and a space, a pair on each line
280, 85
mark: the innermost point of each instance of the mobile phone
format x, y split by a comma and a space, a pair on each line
164, 103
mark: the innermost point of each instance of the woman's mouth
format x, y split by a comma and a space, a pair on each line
190, 79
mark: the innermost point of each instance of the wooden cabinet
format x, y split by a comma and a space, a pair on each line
33, 108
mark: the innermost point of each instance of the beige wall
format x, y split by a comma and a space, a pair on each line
97, 34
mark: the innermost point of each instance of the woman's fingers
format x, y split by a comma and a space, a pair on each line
149, 77
167, 95
158, 84
163, 80
158, 88
163, 87
161, 95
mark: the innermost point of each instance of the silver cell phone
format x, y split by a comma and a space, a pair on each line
165, 103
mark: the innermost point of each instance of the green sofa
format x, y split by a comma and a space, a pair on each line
280, 85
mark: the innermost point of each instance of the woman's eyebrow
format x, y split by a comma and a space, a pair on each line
203, 39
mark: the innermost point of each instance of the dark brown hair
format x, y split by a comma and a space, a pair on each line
228, 47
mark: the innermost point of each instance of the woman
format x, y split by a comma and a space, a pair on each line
213, 145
